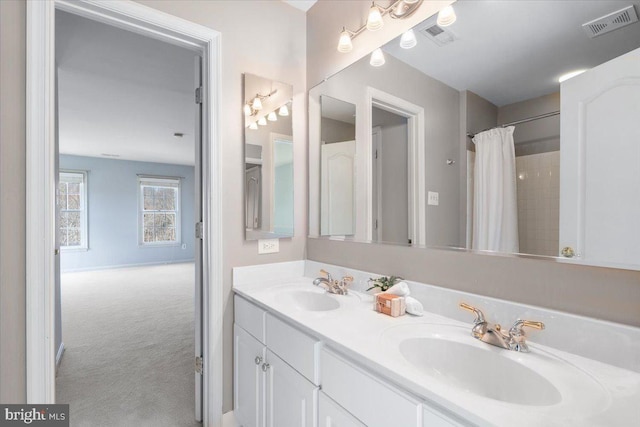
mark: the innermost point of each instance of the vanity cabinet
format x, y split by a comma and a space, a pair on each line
333, 415
270, 389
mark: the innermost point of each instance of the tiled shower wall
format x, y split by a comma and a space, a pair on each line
538, 182
538, 186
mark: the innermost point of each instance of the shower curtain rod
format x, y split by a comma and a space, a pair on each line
517, 122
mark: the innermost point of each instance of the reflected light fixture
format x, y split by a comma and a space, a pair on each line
262, 121
257, 103
374, 20
247, 110
446, 17
377, 58
398, 9
408, 40
284, 110
567, 76
253, 126
272, 117
344, 44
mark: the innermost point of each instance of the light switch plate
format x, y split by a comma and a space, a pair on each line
268, 246
433, 198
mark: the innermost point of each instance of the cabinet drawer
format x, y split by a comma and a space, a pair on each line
333, 415
249, 317
370, 400
294, 347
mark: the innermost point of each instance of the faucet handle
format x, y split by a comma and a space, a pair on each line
325, 273
479, 315
516, 329
347, 279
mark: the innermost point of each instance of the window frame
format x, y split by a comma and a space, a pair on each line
141, 211
84, 216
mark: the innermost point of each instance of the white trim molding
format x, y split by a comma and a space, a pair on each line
41, 152
415, 165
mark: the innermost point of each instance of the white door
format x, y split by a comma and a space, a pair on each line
333, 415
248, 393
198, 209
291, 400
337, 188
253, 191
600, 162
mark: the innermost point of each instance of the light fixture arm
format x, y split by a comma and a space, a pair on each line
399, 9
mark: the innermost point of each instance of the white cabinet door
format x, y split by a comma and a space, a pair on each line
249, 355
337, 201
333, 415
291, 400
600, 162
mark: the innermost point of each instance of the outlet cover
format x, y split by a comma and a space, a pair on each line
433, 198
268, 246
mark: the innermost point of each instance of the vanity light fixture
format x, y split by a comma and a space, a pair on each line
374, 20
398, 9
247, 109
272, 117
446, 17
408, 40
253, 126
262, 121
377, 58
284, 110
252, 106
256, 105
570, 75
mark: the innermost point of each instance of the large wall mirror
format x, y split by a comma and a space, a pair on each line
268, 148
465, 137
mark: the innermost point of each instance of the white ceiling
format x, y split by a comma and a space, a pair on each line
123, 94
303, 5
509, 51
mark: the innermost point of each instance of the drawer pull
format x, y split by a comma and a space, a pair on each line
258, 360
265, 366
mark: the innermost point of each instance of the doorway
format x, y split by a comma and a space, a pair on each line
42, 175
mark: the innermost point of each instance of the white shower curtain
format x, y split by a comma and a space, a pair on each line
495, 208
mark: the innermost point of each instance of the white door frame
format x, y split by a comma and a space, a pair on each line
416, 160
40, 221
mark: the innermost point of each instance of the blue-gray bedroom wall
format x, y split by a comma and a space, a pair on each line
112, 200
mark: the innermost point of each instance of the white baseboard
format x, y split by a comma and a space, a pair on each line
229, 420
59, 355
111, 267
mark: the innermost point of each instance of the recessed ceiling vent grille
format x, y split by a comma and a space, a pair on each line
611, 22
438, 35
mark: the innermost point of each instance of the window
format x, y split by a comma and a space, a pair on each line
159, 219
72, 210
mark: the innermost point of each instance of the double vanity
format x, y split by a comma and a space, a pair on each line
307, 357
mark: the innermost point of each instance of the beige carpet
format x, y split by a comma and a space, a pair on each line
129, 342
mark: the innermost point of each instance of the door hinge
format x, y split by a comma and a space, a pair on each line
376, 154
199, 230
199, 95
375, 224
199, 365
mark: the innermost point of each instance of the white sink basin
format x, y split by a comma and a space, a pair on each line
312, 300
450, 360
481, 371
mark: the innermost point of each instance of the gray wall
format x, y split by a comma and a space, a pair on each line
112, 197
12, 201
336, 131
276, 51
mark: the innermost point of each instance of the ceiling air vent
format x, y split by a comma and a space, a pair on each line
438, 35
611, 22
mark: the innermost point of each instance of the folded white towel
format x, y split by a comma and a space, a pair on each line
401, 289
414, 306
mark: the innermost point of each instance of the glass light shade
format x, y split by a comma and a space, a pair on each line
253, 126
408, 40
377, 58
446, 17
374, 21
247, 109
272, 116
256, 104
262, 121
284, 111
410, 1
344, 44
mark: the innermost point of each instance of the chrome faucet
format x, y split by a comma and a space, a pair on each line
492, 334
338, 287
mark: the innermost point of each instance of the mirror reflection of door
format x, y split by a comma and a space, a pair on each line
253, 192
337, 168
390, 177
282, 175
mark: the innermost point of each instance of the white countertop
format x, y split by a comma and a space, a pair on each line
592, 393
